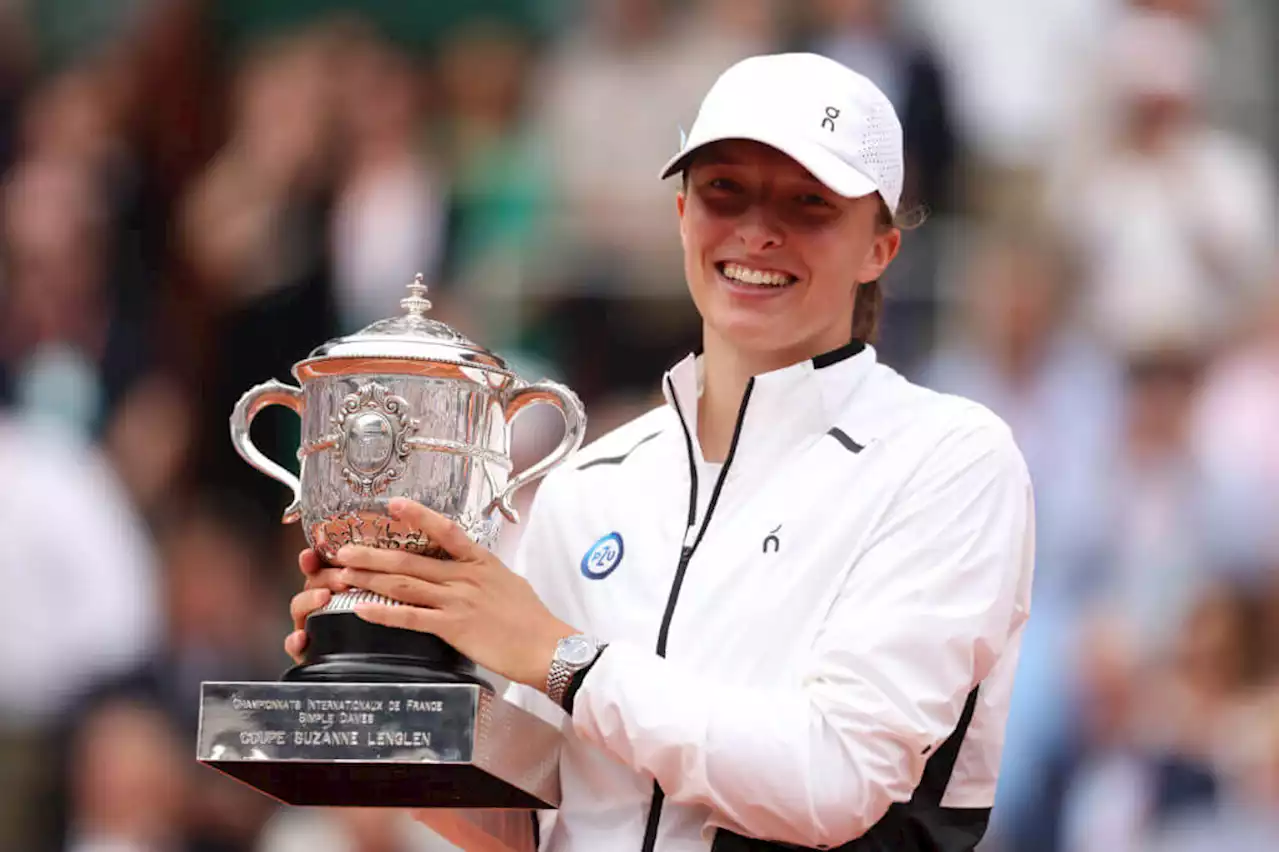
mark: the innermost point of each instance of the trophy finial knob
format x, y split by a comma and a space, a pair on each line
416, 303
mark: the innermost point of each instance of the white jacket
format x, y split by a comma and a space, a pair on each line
794, 636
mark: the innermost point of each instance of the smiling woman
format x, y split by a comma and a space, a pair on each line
810, 636
773, 257
868, 299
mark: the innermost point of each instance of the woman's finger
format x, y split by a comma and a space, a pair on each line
399, 587
405, 617
319, 574
306, 602
327, 578
309, 562
437, 528
295, 644
386, 561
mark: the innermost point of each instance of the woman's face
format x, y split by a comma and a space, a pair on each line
772, 256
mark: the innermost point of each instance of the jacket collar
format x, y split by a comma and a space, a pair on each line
795, 404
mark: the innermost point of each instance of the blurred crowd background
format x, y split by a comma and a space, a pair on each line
197, 192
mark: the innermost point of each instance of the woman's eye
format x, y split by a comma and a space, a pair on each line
814, 200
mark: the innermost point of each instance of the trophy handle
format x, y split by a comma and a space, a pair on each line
253, 401
575, 426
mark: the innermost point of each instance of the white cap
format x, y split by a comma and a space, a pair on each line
831, 120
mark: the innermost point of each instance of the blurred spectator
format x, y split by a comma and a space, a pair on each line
1113, 782
85, 118
253, 229
1245, 818
1015, 67
181, 80
388, 217
128, 793
1218, 670
867, 36
81, 565
1159, 553
220, 624
1233, 435
1241, 88
68, 353
82, 115
245, 222
500, 184
79, 572
1173, 218
617, 223
220, 621
1158, 761
1176, 526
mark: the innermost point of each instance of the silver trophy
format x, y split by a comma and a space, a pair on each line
379, 716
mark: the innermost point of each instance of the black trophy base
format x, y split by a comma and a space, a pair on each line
380, 744
344, 648
376, 785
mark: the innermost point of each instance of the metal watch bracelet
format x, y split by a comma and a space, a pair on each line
562, 672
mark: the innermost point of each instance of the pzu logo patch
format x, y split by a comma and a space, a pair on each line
603, 557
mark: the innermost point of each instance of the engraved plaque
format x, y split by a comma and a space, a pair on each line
379, 744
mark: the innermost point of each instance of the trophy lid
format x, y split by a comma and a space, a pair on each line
411, 336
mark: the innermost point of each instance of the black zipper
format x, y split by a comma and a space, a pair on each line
686, 553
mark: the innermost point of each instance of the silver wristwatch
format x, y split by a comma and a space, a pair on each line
573, 654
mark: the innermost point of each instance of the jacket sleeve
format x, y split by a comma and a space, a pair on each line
923, 616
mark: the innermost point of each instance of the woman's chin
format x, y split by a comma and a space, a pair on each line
753, 334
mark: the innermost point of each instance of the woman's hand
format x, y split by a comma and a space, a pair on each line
321, 581
473, 601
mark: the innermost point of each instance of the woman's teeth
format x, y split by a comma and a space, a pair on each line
757, 277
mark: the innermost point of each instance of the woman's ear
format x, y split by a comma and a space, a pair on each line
681, 201
882, 252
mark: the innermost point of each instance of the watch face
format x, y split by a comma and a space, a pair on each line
576, 650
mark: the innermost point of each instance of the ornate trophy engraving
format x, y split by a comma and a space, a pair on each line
372, 427
379, 716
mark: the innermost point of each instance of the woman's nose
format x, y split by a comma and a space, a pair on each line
759, 231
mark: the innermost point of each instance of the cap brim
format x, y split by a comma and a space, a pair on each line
833, 172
